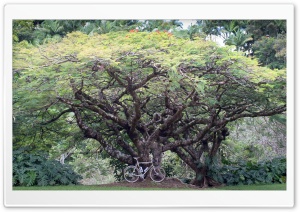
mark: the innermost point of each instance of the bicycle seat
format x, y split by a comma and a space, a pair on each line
136, 158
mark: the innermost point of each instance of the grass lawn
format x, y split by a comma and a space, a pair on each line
88, 188
94, 187
253, 187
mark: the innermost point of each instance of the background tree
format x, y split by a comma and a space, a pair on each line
22, 30
257, 29
160, 25
238, 39
256, 139
271, 52
261, 28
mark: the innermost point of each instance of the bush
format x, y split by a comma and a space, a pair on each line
175, 167
93, 170
36, 169
118, 168
248, 173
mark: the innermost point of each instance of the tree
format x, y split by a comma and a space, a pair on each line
52, 27
256, 139
22, 30
103, 26
238, 39
161, 25
138, 93
251, 36
261, 28
271, 52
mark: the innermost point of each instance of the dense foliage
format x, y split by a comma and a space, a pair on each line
93, 169
271, 52
263, 39
255, 139
37, 169
247, 172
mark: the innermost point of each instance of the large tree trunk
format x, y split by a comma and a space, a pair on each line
156, 150
202, 180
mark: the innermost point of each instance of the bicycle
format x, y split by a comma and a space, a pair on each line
132, 173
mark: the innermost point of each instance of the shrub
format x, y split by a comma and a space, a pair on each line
93, 170
36, 169
118, 168
249, 172
175, 167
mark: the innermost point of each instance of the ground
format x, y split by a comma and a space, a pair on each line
148, 183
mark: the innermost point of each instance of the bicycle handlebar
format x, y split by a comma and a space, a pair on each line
138, 162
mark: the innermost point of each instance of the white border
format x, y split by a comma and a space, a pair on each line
147, 198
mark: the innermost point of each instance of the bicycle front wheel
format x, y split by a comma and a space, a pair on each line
157, 174
131, 174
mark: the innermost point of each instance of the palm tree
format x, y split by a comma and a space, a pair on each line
48, 29
229, 28
105, 26
193, 30
238, 39
51, 27
72, 25
99, 26
152, 25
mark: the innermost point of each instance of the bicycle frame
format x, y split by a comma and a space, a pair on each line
137, 165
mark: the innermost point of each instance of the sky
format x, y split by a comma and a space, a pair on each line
187, 23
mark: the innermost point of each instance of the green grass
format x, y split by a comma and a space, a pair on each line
120, 188
88, 188
253, 187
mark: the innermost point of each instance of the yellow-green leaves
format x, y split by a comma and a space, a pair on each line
266, 74
198, 64
200, 86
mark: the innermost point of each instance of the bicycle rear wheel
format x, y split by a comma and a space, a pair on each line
131, 174
157, 174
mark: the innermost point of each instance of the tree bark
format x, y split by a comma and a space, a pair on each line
202, 180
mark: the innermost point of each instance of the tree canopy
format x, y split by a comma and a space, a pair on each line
138, 93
